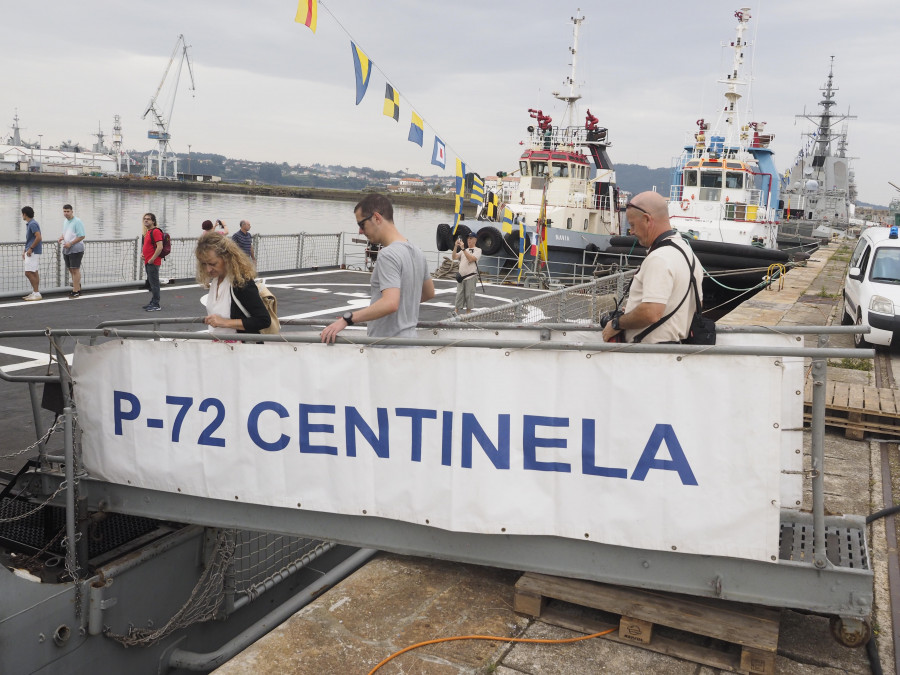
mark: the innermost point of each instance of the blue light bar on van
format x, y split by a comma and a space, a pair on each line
893, 234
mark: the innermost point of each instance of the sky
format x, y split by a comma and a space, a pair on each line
269, 89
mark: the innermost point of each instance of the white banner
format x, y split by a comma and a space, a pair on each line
648, 451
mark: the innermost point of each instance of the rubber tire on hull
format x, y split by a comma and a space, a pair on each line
511, 243
490, 240
719, 248
462, 231
443, 237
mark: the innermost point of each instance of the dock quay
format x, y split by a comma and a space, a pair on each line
396, 601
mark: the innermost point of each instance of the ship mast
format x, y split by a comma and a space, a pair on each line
825, 123
733, 81
570, 116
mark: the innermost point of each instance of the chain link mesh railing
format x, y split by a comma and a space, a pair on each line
120, 261
584, 303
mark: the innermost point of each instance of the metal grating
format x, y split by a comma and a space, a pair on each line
844, 546
32, 533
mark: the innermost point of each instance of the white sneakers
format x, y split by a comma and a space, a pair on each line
32, 296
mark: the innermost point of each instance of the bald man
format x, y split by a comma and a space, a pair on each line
661, 288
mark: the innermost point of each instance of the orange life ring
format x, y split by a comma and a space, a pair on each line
685, 204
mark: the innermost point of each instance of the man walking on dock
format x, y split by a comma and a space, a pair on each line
31, 256
244, 239
153, 245
466, 279
400, 281
660, 303
72, 241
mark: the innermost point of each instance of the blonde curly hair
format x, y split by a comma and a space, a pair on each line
239, 268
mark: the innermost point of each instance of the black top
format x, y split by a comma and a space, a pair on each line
259, 318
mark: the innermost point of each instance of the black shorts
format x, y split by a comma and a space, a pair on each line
73, 260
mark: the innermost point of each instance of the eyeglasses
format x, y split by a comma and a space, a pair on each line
362, 223
631, 205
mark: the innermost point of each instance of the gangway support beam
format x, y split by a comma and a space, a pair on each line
842, 591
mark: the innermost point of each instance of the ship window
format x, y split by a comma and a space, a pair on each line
734, 165
538, 169
585, 224
734, 180
568, 223
560, 170
690, 178
523, 168
711, 179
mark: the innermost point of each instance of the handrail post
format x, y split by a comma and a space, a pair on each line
819, 374
36, 413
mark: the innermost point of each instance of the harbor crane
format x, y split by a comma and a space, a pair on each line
161, 155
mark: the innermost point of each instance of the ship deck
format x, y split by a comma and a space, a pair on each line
302, 295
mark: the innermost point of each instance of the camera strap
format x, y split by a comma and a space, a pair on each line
692, 285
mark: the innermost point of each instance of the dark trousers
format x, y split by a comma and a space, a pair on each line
153, 283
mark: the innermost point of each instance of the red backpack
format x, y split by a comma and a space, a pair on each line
166, 243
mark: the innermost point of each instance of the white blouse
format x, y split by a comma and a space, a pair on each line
219, 302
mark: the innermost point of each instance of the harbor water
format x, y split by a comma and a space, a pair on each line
113, 213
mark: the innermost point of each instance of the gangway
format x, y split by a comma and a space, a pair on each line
381, 449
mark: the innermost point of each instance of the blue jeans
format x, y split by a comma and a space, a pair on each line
153, 282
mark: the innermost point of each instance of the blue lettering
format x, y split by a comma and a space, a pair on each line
447, 438
253, 425
588, 454
530, 443
417, 415
678, 463
306, 428
119, 415
499, 454
354, 422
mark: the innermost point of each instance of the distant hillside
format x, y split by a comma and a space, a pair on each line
636, 178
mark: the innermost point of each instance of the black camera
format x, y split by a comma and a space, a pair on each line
606, 317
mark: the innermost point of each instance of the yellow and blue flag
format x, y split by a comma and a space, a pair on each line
307, 13
416, 131
391, 102
507, 221
460, 177
476, 196
439, 154
457, 210
362, 66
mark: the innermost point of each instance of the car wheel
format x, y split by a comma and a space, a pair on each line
858, 338
846, 319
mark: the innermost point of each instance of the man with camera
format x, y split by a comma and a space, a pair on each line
661, 303
467, 276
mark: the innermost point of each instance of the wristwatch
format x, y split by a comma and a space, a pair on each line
615, 324
348, 317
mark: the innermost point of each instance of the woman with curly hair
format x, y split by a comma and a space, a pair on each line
233, 304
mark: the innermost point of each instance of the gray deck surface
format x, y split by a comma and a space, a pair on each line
300, 295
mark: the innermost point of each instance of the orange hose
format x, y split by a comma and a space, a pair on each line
489, 637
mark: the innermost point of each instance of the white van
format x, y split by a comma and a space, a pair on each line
872, 286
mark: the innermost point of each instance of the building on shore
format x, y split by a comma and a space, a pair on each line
52, 160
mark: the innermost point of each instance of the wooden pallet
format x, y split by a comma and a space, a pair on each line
858, 408
752, 631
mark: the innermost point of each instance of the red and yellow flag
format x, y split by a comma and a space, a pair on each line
307, 10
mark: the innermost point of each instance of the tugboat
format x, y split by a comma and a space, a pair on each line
819, 190
565, 202
725, 190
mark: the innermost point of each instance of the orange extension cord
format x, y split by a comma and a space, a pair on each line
489, 637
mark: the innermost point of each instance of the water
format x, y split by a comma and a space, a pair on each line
112, 213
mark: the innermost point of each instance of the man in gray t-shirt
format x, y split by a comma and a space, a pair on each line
399, 283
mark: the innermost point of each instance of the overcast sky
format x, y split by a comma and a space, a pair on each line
268, 89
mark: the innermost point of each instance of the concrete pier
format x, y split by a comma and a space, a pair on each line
397, 601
